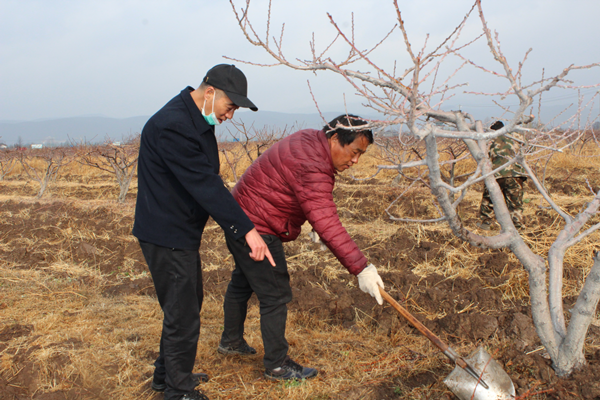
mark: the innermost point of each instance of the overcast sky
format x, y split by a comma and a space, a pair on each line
123, 58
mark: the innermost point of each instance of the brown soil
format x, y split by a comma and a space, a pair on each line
463, 311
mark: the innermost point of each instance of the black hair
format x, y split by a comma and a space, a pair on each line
218, 92
347, 136
497, 125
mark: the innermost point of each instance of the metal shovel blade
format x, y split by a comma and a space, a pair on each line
465, 387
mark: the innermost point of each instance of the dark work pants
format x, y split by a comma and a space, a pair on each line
272, 288
512, 189
177, 276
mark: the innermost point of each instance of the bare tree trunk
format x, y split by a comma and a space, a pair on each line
232, 163
119, 160
8, 160
123, 171
570, 355
53, 158
43, 185
124, 183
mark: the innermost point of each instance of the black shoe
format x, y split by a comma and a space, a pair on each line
160, 385
290, 370
242, 350
195, 395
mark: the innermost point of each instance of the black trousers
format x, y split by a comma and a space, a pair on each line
177, 276
272, 288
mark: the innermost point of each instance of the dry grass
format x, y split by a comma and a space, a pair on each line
86, 340
81, 342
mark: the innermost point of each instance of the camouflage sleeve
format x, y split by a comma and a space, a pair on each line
501, 151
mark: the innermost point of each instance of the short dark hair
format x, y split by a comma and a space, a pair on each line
347, 136
497, 125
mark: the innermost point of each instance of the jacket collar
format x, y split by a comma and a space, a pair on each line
199, 122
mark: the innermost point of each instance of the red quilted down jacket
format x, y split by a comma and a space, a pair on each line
293, 182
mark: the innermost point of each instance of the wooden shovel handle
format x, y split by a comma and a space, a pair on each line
447, 350
416, 323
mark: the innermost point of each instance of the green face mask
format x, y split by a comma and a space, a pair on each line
211, 119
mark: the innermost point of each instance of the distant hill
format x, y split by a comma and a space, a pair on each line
97, 128
56, 131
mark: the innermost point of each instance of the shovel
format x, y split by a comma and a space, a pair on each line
478, 377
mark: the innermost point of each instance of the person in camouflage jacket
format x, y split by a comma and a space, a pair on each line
511, 180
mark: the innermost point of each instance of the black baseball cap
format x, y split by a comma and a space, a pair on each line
497, 125
232, 81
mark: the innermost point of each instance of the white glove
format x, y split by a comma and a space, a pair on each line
368, 280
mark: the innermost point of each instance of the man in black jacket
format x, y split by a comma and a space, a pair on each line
179, 187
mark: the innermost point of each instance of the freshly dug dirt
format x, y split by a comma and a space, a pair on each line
460, 310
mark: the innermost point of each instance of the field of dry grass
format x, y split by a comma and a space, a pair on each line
79, 320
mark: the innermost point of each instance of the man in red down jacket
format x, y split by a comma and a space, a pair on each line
290, 183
